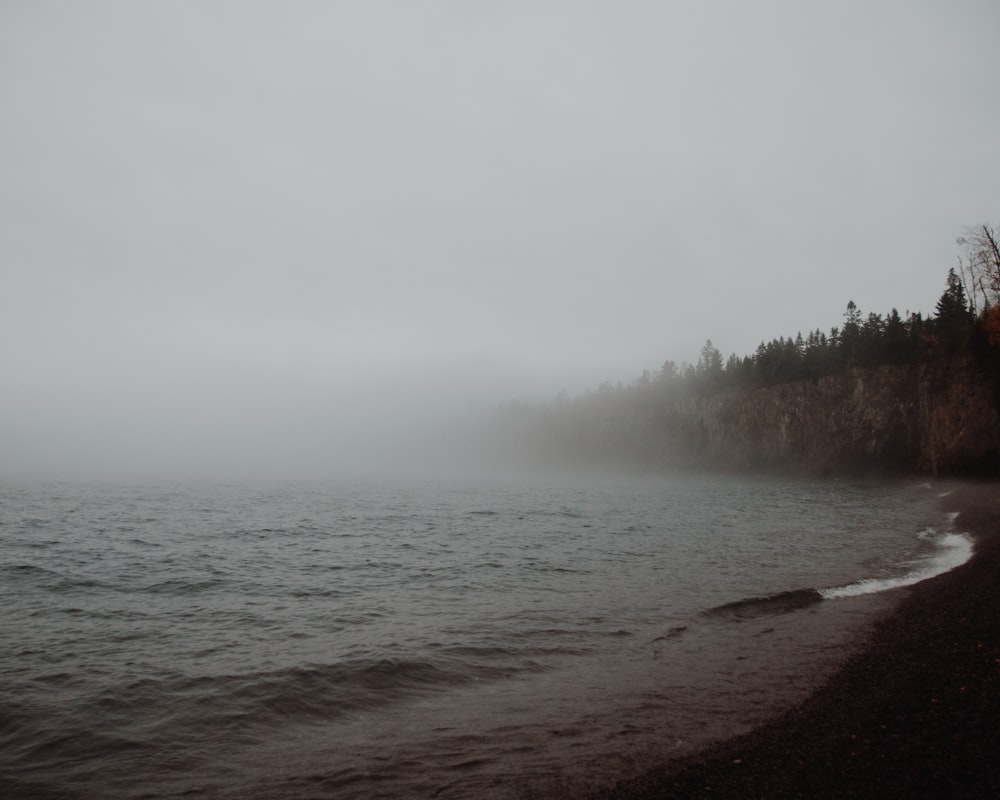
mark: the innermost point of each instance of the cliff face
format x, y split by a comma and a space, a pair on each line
938, 418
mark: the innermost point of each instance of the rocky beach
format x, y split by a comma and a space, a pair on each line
914, 713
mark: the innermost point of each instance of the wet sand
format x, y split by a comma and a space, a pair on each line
916, 713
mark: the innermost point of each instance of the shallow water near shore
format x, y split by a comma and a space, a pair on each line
426, 638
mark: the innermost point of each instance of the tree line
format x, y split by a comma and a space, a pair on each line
617, 421
966, 319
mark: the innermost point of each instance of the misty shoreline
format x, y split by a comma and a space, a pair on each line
911, 713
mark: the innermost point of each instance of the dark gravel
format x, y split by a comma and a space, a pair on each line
915, 714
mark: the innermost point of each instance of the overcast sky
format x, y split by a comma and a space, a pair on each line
246, 231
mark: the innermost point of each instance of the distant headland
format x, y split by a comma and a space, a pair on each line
878, 394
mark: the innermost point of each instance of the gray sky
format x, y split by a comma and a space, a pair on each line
236, 232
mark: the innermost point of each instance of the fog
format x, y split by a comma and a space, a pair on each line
280, 238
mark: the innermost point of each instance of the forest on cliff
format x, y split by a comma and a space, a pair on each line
668, 416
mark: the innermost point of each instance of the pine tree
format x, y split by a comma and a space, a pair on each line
952, 320
953, 306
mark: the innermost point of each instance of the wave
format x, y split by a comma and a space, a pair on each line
52, 580
951, 551
780, 603
180, 707
28, 570
182, 587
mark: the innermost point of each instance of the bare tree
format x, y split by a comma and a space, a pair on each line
980, 272
973, 286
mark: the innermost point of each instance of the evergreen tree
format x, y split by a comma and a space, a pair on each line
953, 306
952, 320
896, 344
850, 334
710, 363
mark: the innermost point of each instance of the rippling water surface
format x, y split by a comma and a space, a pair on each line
419, 638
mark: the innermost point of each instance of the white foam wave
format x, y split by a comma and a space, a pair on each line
953, 550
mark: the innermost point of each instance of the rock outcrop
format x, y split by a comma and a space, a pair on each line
938, 418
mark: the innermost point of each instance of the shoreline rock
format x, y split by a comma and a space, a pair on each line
938, 418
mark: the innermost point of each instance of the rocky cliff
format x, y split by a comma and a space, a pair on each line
938, 418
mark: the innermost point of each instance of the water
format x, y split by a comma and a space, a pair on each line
420, 638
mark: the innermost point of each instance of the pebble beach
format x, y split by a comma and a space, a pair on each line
914, 713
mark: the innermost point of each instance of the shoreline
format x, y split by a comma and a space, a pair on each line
914, 713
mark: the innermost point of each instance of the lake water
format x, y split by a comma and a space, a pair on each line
419, 638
